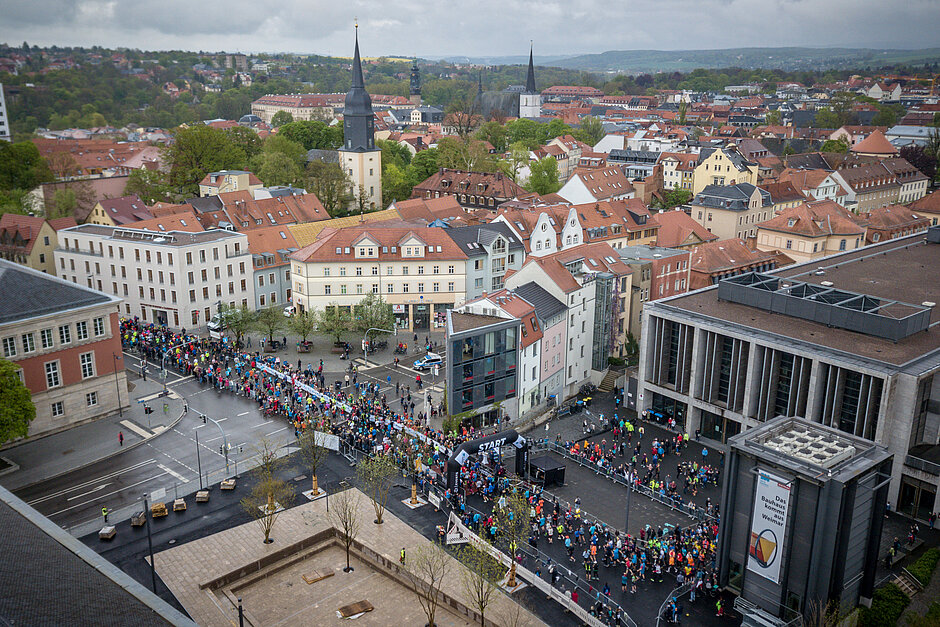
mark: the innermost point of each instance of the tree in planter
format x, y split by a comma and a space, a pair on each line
377, 476
512, 519
345, 516
302, 323
335, 322
265, 502
313, 454
479, 580
238, 320
428, 567
374, 313
16, 404
270, 494
269, 321
412, 456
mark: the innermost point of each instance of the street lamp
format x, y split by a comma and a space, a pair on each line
117, 383
153, 571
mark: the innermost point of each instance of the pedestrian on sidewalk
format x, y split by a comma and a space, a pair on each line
104, 512
121, 438
248, 341
402, 558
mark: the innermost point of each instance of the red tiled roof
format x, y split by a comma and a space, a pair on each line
324, 248
676, 227
875, 144
816, 219
125, 210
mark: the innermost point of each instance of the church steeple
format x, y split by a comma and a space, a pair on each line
480, 84
358, 118
415, 83
530, 77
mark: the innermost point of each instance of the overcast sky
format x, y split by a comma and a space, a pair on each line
469, 27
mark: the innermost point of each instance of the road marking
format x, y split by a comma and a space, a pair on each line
141, 432
213, 439
102, 496
273, 432
85, 484
244, 413
262, 424
174, 473
98, 489
222, 419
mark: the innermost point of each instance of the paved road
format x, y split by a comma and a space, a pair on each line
168, 461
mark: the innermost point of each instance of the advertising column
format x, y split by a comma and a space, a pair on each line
768, 526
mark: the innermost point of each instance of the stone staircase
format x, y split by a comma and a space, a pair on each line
907, 583
608, 383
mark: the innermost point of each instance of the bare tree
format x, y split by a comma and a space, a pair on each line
344, 515
513, 522
823, 614
428, 566
479, 579
265, 502
377, 476
312, 453
515, 614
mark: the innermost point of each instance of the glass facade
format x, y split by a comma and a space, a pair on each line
605, 284
483, 369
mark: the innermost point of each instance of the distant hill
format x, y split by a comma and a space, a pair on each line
789, 59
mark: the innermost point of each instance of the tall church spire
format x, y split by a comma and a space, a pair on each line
530, 77
358, 122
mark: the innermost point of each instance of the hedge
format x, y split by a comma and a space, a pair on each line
887, 605
922, 569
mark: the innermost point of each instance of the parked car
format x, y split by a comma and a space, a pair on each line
429, 361
215, 324
289, 311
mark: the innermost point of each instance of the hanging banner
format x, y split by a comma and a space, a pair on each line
768, 526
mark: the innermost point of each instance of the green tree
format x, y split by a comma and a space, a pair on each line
196, 151
276, 144
543, 177
517, 157
675, 197
590, 132
424, 164
16, 404
465, 154
888, 115
394, 153
246, 139
835, 145
479, 580
683, 110
827, 118
556, 128
302, 323
373, 312
493, 132
269, 321
528, 132
512, 520
313, 134
772, 118
313, 454
22, 167
396, 183
280, 118
277, 168
238, 320
335, 322
149, 185
331, 185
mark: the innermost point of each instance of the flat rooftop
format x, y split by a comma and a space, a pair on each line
467, 322
165, 238
899, 270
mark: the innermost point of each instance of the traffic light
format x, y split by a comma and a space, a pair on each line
205, 420
148, 409
221, 450
185, 408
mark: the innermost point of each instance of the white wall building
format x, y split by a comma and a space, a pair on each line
174, 278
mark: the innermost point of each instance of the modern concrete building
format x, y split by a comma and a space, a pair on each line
849, 342
802, 513
66, 340
174, 278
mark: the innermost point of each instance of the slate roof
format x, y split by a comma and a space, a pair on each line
466, 236
731, 197
50, 578
40, 294
546, 305
126, 209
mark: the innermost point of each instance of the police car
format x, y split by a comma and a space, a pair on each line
429, 361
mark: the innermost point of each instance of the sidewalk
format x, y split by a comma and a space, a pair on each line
61, 452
